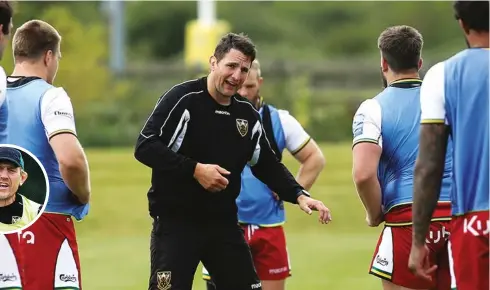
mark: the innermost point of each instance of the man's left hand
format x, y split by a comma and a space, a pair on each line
419, 263
308, 205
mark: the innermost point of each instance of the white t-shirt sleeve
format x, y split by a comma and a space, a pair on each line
432, 99
294, 134
3, 86
366, 125
57, 113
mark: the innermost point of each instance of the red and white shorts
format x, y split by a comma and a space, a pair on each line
10, 261
390, 259
269, 252
469, 253
49, 254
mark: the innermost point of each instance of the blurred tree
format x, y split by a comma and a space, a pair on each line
157, 29
84, 11
299, 30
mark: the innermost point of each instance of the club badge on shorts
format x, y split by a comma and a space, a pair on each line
163, 280
242, 126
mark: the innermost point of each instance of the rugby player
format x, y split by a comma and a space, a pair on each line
41, 120
455, 103
260, 213
6, 13
385, 146
9, 243
197, 141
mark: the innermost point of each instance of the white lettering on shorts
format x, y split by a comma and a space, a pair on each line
256, 285
29, 237
66, 273
9, 271
434, 237
383, 261
476, 226
278, 270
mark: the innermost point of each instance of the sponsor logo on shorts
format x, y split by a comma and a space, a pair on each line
163, 280
382, 261
256, 286
435, 237
476, 227
68, 278
278, 270
8, 277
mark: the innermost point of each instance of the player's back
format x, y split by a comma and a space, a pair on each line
26, 129
400, 128
3, 107
466, 95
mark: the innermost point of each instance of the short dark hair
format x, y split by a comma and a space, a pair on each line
401, 47
34, 38
473, 14
6, 12
240, 42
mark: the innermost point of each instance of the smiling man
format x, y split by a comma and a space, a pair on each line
198, 139
16, 210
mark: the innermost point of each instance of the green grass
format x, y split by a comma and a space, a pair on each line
114, 238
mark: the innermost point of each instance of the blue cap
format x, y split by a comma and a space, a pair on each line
13, 155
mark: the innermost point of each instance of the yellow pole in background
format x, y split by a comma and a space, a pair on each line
202, 35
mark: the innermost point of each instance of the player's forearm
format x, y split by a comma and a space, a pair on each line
75, 174
154, 154
310, 170
369, 192
428, 173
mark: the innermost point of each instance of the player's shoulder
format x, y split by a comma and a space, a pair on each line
3, 75
245, 105
435, 71
244, 102
286, 117
185, 89
55, 94
369, 106
461, 56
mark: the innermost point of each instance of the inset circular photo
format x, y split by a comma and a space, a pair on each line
24, 188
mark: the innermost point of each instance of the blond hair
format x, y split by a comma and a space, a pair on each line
256, 66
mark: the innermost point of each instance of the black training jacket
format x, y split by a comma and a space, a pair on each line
188, 126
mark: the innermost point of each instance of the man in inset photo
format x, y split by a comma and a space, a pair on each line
16, 210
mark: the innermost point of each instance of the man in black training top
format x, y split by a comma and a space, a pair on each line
197, 141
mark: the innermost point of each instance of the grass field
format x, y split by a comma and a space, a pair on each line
114, 238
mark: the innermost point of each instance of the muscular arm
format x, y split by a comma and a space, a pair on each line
73, 165
304, 149
366, 153
158, 142
58, 119
429, 169
312, 162
365, 168
429, 166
